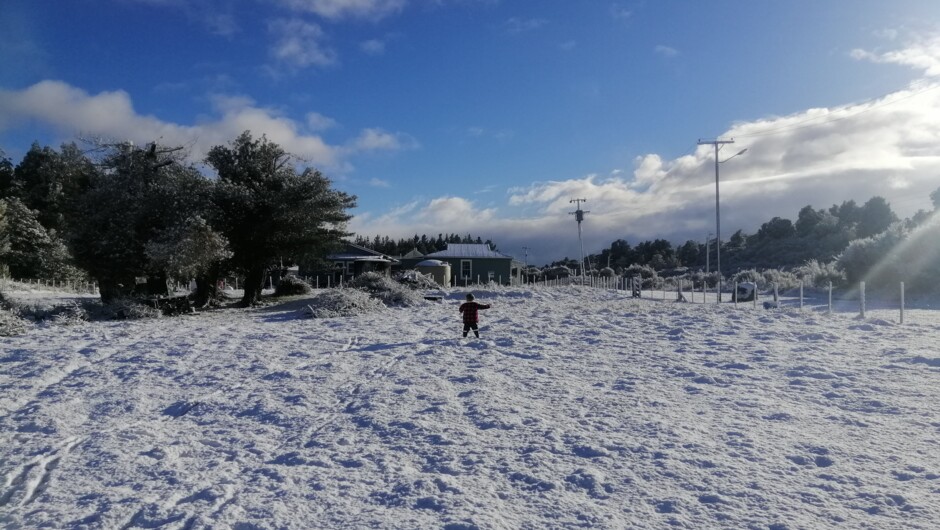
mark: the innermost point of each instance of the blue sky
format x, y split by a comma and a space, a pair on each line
488, 116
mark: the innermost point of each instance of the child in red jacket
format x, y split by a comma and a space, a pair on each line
470, 317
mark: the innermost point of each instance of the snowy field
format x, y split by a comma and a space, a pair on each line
577, 409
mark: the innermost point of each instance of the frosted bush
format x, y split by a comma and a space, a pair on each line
122, 309
387, 290
815, 274
417, 280
11, 323
784, 280
70, 314
292, 285
649, 276
343, 303
750, 275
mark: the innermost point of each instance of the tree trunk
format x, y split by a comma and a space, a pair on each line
108, 290
254, 282
206, 290
112, 289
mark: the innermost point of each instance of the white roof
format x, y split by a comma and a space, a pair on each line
464, 250
358, 257
432, 263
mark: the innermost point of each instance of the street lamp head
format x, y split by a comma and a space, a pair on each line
739, 153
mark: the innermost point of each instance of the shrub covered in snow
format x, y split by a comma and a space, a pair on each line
417, 280
11, 323
749, 275
647, 273
292, 285
121, 309
815, 274
387, 290
784, 280
343, 303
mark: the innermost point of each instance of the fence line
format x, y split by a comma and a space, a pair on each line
64, 285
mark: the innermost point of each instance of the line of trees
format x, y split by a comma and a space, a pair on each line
855, 239
118, 212
422, 243
817, 234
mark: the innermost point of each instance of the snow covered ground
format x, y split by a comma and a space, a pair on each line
577, 409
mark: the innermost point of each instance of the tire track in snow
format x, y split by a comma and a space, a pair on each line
29, 480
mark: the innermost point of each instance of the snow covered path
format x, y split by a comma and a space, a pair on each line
575, 410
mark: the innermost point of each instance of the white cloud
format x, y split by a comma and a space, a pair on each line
319, 122
921, 52
379, 140
521, 25
666, 51
223, 24
379, 183
372, 47
71, 111
568, 45
338, 9
619, 12
299, 44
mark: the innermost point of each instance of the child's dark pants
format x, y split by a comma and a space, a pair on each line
471, 325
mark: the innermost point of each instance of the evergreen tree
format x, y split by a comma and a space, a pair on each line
27, 249
875, 216
48, 181
268, 211
6, 176
133, 200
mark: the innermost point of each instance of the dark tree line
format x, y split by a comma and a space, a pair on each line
422, 243
118, 212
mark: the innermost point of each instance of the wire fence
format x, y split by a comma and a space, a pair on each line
39, 284
830, 299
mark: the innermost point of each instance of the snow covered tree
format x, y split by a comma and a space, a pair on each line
137, 198
27, 249
190, 249
269, 212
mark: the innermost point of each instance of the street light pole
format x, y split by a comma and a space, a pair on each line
718, 143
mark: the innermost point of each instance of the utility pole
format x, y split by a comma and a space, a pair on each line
718, 143
707, 250
579, 216
525, 263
